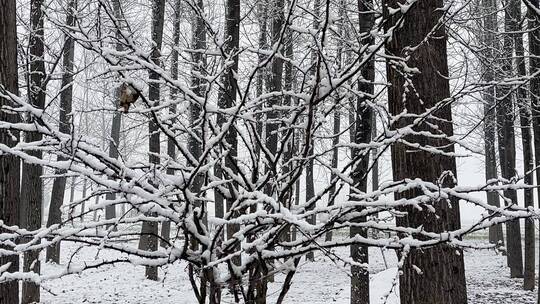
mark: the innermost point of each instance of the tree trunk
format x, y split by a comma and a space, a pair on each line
337, 113
534, 61
9, 164
490, 25
310, 183
442, 276
526, 140
83, 204
32, 196
507, 149
66, 97
116, 126
171, 149
362, 134
149, 231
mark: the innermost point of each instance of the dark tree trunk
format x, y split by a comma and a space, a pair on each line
362, 134
114, 140
442, 277
534, 61
149, 231
9, 165
526, 140
490, 25
232, 31
507, 149
310, 183
66, 96
171, 149
32, 196
337, 113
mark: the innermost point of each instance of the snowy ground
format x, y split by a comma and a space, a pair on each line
322, 282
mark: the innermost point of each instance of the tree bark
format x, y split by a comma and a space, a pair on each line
526, 140
32, 196
9, 164
507, 148
66, 97
490, 26
362, 134
442, 276
149, 231
534, 62
310, 183
171, 149
116, 126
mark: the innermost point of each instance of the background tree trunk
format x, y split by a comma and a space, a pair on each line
526, 140
171, 149
534, 62
32, 195
232, 32
362, 134
490, 26
66, 98
116, 126
507, 148
442, 276
149, 231
9, 165
310, 183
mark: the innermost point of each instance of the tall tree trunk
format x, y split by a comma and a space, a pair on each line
490, 27
337, 113
149, 231
442, 276
171, 149
66, 98
310, 183
534, 62
232, 31
362, 134
116, 126
9, 164
526, 140
507, 148
32, 196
